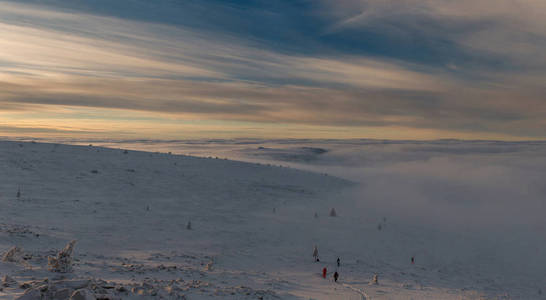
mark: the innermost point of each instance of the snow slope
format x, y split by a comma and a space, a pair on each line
253, 232
129, 212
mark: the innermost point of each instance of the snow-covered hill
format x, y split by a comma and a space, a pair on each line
253, 229
129, 213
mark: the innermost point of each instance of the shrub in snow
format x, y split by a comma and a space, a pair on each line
406, 285
333, 212
316, 215
188, 227
15, 254
210, 265
63, 262
18, 193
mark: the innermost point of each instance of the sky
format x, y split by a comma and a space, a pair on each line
168, 69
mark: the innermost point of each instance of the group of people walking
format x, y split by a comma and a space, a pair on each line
325, 270
336, 274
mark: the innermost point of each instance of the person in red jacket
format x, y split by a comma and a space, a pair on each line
324, 272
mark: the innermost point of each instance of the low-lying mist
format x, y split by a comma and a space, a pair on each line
448, 182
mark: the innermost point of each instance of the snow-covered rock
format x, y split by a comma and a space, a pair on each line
8, 281
83, 294
31, 294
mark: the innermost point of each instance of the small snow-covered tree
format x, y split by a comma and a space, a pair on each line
15, 254
333, 212
63, 262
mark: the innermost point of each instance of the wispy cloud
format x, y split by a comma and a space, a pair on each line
484, 32
88, 58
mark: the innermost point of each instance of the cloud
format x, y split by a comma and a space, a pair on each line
486, 34
80, 55
28, 130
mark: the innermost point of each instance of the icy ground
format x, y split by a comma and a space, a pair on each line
253, 228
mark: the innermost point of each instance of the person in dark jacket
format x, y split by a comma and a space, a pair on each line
336, 276
315, 253
338, 262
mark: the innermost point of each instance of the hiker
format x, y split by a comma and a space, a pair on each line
412, 260
324, 272
336, 276
315, 253
338, 262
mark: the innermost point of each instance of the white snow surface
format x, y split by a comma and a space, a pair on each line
253, 230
